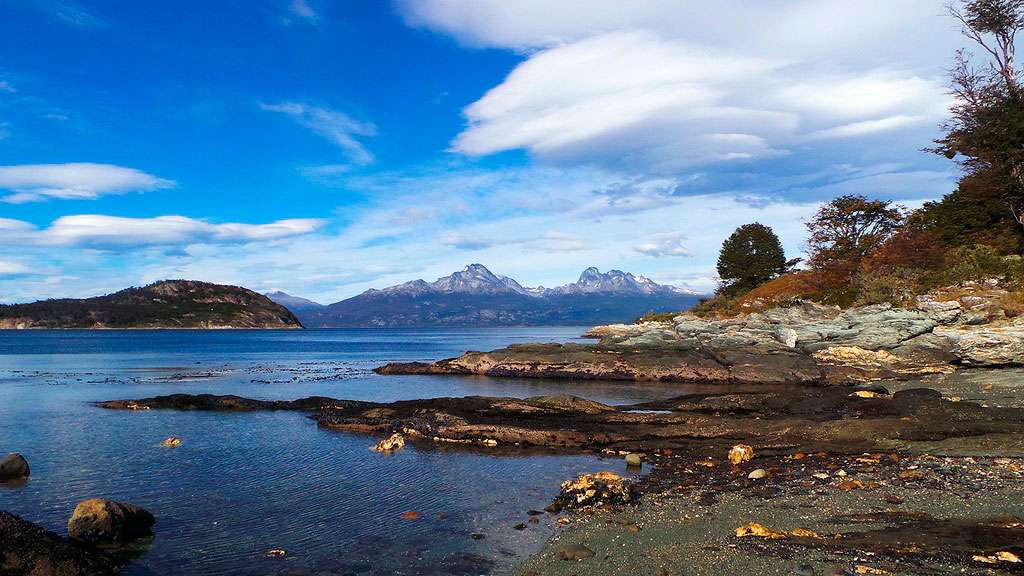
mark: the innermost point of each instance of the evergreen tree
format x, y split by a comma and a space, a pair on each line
751, 256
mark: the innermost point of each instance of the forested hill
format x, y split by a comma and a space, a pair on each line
165, 304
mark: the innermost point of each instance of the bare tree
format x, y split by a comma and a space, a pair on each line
986, 130
993, 25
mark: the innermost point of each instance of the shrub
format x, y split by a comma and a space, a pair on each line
975, 263
896, 286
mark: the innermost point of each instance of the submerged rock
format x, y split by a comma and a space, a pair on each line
13, 467
29, 549
104, 521
394, 442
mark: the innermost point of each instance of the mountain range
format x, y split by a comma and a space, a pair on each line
475, 296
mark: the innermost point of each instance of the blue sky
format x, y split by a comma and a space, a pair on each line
326, 147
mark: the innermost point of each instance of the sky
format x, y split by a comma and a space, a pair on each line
326, 147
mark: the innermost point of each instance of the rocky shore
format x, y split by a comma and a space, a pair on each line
802, 343
814, 440
787, 419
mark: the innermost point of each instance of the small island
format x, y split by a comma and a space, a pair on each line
165, 304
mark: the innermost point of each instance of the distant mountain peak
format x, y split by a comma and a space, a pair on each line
291, 302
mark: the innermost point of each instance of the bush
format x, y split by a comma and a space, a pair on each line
975, 263
896, 286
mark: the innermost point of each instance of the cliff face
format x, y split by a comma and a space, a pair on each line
165, 304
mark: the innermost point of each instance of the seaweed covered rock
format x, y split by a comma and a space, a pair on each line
29, 549
600, 489
105, 521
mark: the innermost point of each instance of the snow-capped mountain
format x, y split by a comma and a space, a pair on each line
473, 279
477, 279
593, 281
475, 296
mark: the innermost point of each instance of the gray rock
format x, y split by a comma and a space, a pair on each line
13, 466
989, 348
786, 336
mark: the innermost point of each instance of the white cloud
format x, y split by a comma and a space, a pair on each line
337, 127
866, 127
302, 9
660, 245
71, 12
792, 28
662, 86
34, 182
93, 230
9, 268
635, 100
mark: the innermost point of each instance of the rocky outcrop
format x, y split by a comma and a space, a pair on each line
627, 362
775, 418
799, 344
29, 549
13, 467
104, 521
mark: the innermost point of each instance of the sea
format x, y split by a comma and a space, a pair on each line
241, 485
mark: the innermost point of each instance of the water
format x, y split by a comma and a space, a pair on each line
242, 484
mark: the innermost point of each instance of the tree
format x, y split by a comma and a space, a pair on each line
848, 229
986, 130
750, 256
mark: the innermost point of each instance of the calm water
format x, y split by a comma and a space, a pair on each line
242, 484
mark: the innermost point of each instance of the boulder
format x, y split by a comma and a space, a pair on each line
29, 549
13, 467
104, 521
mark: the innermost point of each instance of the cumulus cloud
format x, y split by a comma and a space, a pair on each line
35, 182
337, 127
660, 245
94, 230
